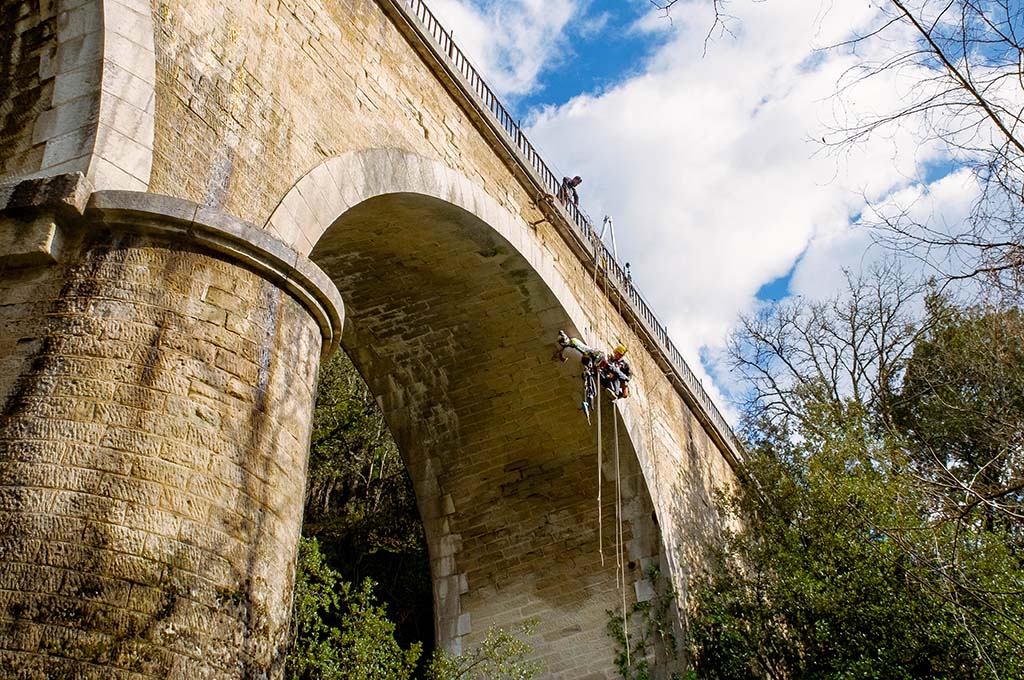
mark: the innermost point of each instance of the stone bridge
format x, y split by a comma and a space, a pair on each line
190, 190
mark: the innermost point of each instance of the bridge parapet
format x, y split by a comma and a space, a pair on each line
426, 34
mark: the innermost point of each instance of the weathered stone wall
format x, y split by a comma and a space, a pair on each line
452, 328
28, 30
298, 116
253, 95
76, 91
153, 443
284, 87
453, 308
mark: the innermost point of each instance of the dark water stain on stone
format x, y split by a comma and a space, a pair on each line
23, 95
219, 180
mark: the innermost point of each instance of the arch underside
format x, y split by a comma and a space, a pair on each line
453, 331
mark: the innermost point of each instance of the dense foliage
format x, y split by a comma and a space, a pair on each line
882, 538
961, 411
501, 656
362, 542
360, 504
340, 632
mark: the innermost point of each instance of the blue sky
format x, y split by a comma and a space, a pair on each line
777, 288
711, 162
601, 52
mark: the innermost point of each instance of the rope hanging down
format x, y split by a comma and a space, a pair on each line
600, 514
620, 551
611, 373
620, 563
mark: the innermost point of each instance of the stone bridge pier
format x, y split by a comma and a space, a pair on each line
157, 372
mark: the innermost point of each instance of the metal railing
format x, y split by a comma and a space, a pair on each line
602, 256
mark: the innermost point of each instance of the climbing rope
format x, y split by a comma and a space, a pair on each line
620, 561
600, 517
591, 374
620, 552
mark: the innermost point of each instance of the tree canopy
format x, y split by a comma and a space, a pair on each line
883, 535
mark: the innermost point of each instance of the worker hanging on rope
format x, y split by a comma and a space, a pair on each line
612, 372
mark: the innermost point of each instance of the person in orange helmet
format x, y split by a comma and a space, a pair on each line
612, 370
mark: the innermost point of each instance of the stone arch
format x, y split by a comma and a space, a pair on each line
452, 305
88, 106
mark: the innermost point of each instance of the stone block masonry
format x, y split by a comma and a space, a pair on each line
28, 29
157, 354
153, 444
76, 90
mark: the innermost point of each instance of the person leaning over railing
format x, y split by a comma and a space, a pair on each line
568, 191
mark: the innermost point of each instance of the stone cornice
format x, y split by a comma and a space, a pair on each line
243, 242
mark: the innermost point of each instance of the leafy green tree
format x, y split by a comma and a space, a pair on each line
501, 656
962, 410
847, 565
340, 632
360, 504
815, 587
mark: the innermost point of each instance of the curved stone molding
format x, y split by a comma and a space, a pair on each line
101, 119
322, 195
261, 252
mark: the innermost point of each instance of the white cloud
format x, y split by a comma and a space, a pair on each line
590, 26
713, 165
714, 169
510, 42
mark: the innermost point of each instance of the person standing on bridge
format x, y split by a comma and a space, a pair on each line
612, 371
568, 191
